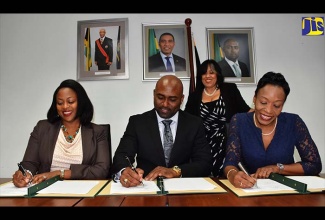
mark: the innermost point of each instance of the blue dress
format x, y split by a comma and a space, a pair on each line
245, 144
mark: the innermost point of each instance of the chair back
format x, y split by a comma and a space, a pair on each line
108, 131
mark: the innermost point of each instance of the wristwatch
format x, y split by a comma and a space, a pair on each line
281, 167
177, 170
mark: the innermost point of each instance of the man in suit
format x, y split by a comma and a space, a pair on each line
103, 51
158, 62
230, 65
143, 140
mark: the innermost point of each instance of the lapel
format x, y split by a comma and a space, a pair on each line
157, 145
53, 136
181, 135
87, 142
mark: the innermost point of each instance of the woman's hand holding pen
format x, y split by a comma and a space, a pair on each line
242, 180
130, 178
19, 180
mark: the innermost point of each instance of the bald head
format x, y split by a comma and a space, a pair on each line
102, 32
168, 95
171, 82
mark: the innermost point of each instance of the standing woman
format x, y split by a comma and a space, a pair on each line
215, 102
67, 143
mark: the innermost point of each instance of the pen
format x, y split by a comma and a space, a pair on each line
242, 168
132, 167
22, 169
245, 171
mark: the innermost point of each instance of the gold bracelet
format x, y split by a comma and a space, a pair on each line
230, 171
62, 174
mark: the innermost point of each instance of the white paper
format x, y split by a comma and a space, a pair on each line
267, 185
313, 182
147, 187
9, 189
188, 184
69, 187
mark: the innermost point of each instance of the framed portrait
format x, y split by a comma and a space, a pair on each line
233, 49
165, 51
102, 51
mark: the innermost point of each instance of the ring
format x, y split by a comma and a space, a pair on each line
241, 184
125, 180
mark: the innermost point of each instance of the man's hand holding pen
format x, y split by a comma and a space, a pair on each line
130, 178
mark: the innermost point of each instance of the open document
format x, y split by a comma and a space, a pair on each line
273, 187
54, 188
170, 186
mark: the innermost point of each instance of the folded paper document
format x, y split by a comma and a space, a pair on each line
165, 186
54, 187
278, 184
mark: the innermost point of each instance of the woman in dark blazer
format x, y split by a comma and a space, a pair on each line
67, 143
215, 102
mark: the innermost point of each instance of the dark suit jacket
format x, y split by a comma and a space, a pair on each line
108, 47
234, 102
156, 64
228, 72
191, 151
96, 155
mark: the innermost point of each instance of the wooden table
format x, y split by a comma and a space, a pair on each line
101, 201
228, 199
124, 201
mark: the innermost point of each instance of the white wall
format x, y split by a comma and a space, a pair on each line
38, 51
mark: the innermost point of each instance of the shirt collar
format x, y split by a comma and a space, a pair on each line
174, 118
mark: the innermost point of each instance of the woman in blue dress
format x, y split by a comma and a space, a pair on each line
264, 140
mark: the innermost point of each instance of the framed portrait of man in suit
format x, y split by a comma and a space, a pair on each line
233, 49
165, 50
102, 51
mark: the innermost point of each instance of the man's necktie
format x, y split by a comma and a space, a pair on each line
169, 65
168, 140
237, 70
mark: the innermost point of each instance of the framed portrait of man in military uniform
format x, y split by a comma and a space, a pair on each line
102, 52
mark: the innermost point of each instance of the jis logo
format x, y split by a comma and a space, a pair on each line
312, 26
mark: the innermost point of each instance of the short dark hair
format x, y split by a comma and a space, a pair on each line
85, 109
202, 69
276, 79
166, 33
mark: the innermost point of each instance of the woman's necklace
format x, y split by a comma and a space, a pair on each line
210, 94
276, 122
67, 136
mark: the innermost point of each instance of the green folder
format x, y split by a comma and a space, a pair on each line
34, 189
299, 186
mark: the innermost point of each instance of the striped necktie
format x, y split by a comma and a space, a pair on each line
168, 140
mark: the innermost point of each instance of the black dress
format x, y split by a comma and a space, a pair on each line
214, 120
